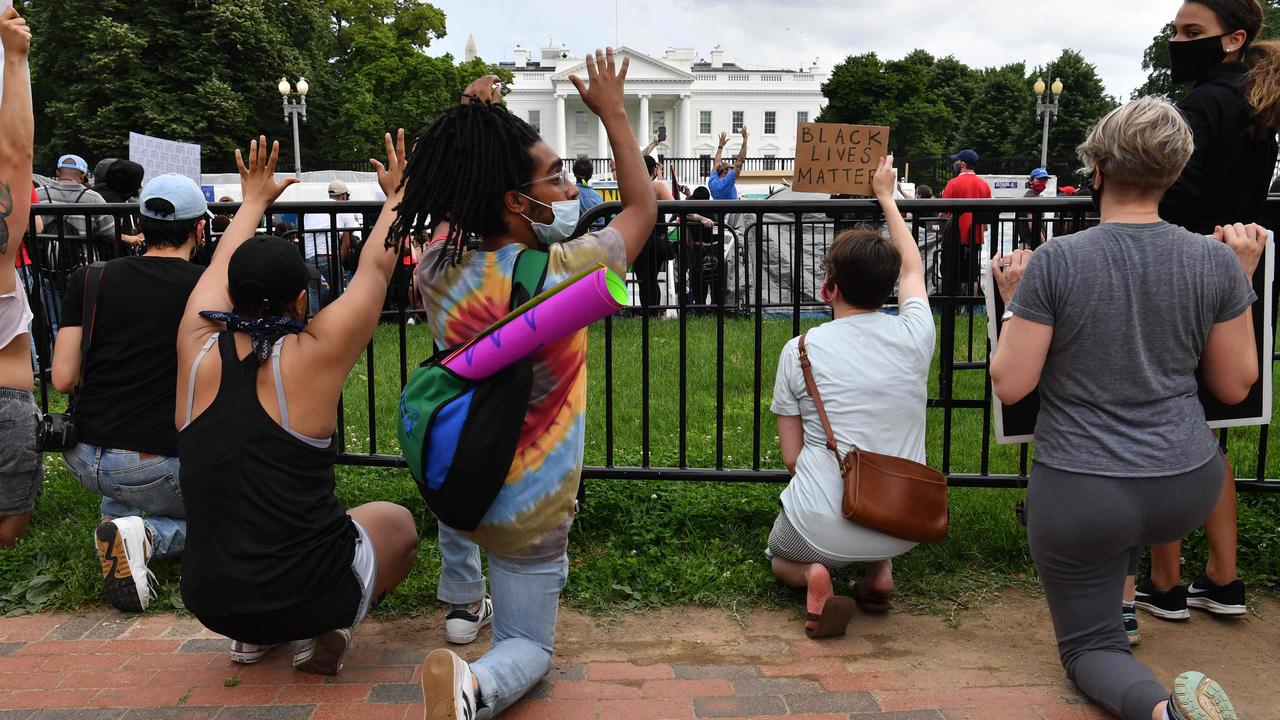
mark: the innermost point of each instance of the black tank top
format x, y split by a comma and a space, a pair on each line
265, 532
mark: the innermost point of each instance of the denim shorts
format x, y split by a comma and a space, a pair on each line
21, 466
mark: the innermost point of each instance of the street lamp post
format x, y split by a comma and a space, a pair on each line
292, 109
1046, 110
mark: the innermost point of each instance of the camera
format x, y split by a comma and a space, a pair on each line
56, 432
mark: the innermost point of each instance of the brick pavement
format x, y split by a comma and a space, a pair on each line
105, 665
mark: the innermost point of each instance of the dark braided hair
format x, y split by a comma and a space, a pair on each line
460, 170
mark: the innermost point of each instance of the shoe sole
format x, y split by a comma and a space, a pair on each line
437, 686
1217, 608
1163, 614
1190, 688
326, 658
118, 584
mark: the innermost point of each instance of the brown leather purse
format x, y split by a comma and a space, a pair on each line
892, 495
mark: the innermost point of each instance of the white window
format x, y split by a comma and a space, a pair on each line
580, 122
657, 119
737, 121
770, 122
535, 120
704, 122
802, 116
770, 161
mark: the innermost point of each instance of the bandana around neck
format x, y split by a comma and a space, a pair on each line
264, 332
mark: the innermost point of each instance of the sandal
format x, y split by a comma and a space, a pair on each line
870, 601
837, 611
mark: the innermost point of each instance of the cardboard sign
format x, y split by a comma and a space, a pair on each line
158, 156
1017, 423
838, 159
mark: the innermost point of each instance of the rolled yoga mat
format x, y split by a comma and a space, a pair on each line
574, 304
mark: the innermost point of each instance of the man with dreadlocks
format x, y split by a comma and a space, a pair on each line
272, 556
489, 174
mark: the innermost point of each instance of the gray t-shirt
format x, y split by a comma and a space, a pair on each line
1131, 307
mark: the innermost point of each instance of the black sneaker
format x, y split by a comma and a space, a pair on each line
1131, 625
1168, 604
1218, 599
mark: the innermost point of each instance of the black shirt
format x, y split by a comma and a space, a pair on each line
1228, 175
269, 547
131, 373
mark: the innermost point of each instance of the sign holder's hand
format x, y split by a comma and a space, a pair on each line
258, 178
885, 179
1008, 271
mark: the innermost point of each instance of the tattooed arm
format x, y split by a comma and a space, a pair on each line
17, 138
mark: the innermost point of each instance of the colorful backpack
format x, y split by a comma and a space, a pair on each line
459, 436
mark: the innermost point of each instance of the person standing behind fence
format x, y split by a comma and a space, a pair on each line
658, 251
21, 468
1123, 455
490, 174
871, 369
966, 184
272, 556
320, 234
124, 388
723, 182
1233, 111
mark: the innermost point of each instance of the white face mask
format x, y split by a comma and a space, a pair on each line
565, 214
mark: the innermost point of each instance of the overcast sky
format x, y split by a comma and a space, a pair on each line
779, 33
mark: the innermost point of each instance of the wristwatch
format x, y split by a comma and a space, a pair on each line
1007, 316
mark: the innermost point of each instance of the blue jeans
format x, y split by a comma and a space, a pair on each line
319, 291
131, 485
526, 601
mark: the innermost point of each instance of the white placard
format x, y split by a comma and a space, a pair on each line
1016, 424
158, 156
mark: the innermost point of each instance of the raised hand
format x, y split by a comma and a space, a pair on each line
1247, 241
258, 178
603, 93
483, 89
885, 178
744, 133
15, 35
391, 175
724, 138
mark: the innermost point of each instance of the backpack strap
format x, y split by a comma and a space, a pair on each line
528, 276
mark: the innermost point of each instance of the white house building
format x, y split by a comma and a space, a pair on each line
694, 99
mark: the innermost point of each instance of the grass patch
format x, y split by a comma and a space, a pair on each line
649, 544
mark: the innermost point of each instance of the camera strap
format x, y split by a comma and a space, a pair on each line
89, 314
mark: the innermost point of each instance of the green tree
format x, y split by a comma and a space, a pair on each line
864, 90
1001, 121
1083, 102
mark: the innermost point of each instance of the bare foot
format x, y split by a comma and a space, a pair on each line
819, 591
879, 577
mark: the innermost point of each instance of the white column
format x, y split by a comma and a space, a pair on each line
686, 125
561, 145
643, 127
602, 140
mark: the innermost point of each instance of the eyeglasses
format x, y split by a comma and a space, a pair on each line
559, 180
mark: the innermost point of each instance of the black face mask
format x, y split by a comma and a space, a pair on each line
1190, 60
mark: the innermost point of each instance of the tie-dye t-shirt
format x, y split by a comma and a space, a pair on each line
531, 516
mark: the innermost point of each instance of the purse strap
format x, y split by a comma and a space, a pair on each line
817, 400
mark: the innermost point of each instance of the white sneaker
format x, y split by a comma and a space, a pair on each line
322, 655
244, 653
448, 687
461, 626
124, 550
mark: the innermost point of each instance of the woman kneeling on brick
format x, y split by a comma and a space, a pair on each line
871, 370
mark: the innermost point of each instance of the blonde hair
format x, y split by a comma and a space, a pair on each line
1141, 145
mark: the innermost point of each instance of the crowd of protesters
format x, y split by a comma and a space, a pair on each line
205, 394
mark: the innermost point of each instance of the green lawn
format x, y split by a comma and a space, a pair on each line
640, 544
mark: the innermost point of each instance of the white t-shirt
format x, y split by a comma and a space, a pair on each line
318, 243
872, 372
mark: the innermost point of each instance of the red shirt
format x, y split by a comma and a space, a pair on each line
968, 185
23, 258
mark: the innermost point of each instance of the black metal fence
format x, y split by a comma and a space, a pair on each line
720, 300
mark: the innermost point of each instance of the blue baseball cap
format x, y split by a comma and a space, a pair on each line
969, 157
1039, 174
181, 198
73, 162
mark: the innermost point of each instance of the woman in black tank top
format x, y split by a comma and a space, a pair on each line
272, 556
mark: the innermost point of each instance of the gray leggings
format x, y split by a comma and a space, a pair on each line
1082, 529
